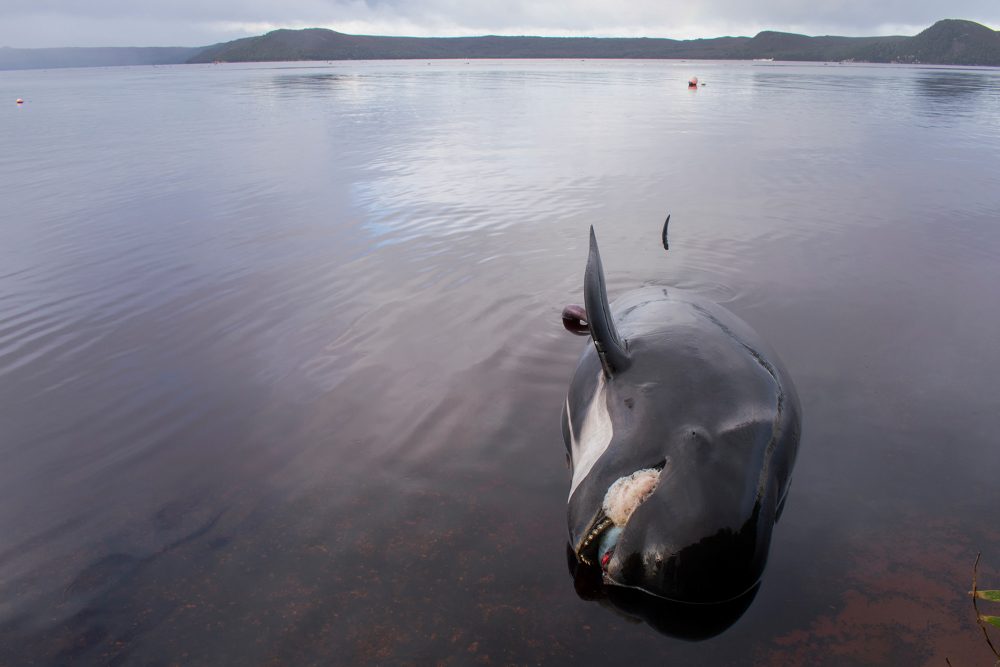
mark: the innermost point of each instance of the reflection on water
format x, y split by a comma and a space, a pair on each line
305, 83
952, 84
693, 622
948, 93
281, 354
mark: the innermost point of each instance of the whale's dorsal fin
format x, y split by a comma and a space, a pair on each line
666, 245
610, 347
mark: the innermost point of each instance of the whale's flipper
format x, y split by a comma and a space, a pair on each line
610, 348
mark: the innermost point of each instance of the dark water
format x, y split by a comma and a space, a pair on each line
281, 362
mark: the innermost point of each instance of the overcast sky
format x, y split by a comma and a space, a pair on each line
36, 23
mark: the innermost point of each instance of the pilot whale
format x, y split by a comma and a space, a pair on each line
681, 429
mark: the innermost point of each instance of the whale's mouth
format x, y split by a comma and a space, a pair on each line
589, 551
620, 503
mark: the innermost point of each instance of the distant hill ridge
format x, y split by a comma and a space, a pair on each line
104, 56
947, 42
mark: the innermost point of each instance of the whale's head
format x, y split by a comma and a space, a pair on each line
677, 433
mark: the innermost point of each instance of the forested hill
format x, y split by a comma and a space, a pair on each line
947, 42
94, 57
951, 42
320, 44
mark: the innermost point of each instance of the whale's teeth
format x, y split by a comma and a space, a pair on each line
602, 525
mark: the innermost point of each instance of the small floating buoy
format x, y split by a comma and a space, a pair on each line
693, 82
20, 101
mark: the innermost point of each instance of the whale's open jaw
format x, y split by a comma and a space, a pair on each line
620, 502
589, 551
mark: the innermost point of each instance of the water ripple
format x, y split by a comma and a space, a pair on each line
308, 316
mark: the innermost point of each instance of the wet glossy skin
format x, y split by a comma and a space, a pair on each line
699, 394
693, 622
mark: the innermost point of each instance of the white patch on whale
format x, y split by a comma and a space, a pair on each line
596, 433
627, 493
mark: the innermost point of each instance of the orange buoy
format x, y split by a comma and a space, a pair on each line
20, 101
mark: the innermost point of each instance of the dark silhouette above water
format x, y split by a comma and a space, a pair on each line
947, 42
681, 430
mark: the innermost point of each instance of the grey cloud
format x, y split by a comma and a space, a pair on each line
858, 14
193, 22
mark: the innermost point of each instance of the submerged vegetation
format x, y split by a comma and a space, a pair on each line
984, 620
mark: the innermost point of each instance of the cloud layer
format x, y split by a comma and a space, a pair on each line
28, 23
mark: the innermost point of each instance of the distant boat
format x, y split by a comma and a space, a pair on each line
763, 60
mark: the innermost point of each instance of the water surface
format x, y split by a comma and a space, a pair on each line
281, 362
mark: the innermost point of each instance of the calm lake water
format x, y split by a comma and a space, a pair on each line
281, 361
